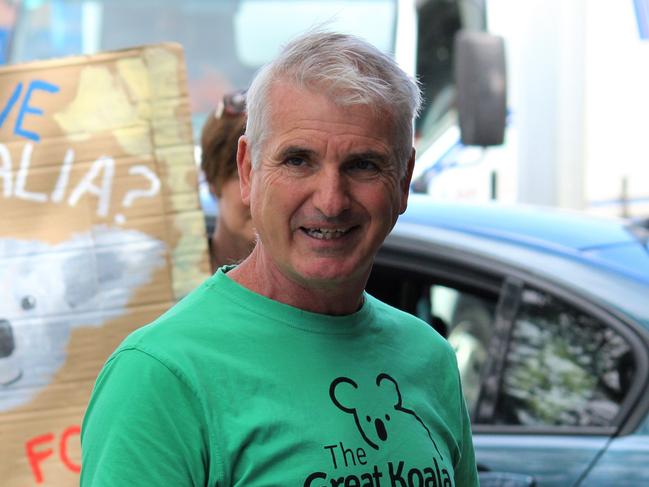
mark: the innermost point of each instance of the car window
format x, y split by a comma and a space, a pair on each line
558, 366
468, 320
563, 367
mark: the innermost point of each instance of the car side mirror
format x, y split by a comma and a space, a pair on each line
505, 479
481, 87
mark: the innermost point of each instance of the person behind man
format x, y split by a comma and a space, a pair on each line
233, 237
282, 371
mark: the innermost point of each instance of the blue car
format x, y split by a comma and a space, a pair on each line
548, 312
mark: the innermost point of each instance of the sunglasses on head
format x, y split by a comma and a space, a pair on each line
232, 104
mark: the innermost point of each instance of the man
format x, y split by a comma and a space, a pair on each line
282, 371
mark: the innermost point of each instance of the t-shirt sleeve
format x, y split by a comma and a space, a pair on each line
143, 427
466, 473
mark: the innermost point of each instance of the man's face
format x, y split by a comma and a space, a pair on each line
327, 189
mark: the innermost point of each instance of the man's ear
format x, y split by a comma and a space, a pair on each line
244, 166
405, 182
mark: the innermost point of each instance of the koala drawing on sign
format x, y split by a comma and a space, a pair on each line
387, 403
49, 290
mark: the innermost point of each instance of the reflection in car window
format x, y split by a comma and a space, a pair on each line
469, 324
563, 367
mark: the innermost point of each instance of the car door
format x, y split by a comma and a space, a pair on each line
548, 377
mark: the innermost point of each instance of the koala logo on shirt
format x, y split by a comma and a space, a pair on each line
373, 426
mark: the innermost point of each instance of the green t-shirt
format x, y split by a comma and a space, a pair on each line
230, 388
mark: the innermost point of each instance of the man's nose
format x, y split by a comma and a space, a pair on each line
331, 193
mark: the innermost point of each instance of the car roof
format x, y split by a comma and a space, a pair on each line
599, 256
605, 242
526, 224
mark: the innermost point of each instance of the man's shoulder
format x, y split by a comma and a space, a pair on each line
404, 322
425, 345
186, 320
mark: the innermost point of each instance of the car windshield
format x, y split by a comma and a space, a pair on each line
224, 41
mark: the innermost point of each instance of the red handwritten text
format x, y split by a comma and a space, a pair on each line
37, 451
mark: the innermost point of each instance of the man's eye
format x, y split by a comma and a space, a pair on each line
365, 165
295, 161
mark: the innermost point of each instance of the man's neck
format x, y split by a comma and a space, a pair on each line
325, 298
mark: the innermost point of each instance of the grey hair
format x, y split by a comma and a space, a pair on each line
349, 71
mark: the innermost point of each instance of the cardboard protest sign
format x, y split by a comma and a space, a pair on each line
100, 232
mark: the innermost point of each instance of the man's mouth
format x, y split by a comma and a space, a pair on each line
327, 233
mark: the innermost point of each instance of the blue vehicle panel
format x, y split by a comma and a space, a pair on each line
579, 285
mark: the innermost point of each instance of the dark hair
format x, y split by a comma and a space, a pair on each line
219, 140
